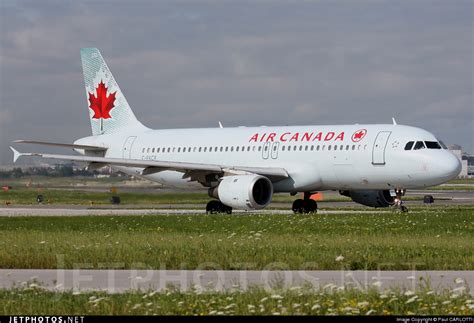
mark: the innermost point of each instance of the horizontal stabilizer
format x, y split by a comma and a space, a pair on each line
16, 154
57, 144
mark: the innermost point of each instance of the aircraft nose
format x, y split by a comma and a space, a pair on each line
449, 166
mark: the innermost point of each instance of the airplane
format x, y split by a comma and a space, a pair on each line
242, 167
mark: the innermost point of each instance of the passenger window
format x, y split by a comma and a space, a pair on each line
353, 147
148, 150
248, 148
317, 147
329, 147
322, 148
347, 147
237, 148
259, 148
341, 147
301, 148
419, 145
409, 145
179, 149
282, 148
335, 147
205, 149
143, 150
432, 145
231, 148
199, 149
169, 149
221, 149
294, 148
306, 148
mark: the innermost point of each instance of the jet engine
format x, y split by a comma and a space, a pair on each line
370, 198
245, 192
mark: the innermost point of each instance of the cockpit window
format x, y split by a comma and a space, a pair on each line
432, 145
409, 145
443, 145
419, 145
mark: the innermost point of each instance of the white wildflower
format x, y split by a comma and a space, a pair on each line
377, 283
339, 258
411, 300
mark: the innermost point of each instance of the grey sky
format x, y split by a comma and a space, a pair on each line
190, 64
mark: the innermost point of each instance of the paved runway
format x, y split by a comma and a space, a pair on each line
118, 281
48, 211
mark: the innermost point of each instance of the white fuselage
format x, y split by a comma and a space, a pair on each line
339, 157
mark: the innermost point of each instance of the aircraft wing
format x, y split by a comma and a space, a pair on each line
153, 166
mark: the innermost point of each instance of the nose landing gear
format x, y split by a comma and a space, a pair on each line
305, 205
398, 205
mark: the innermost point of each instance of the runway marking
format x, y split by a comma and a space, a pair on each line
119, 281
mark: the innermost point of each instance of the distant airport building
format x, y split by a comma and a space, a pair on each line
467, 161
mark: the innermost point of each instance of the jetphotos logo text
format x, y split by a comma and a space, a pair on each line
306, 136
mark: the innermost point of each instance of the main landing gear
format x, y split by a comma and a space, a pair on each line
214, 207
398, 203
305, 205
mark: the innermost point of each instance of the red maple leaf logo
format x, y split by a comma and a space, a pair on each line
358, 135
102, 104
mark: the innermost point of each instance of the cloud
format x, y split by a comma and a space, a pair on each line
186, 64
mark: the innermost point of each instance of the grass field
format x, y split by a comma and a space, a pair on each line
426, 238
27, 196
254, 302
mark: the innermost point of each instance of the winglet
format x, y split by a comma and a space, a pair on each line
16, 154
220, 125
394, 121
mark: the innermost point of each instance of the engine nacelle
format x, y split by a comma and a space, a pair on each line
370, 198
244, 192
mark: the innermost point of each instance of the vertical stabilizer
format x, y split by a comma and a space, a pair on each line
108, 109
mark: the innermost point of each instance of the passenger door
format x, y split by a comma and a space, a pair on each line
127, 147
378, 151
